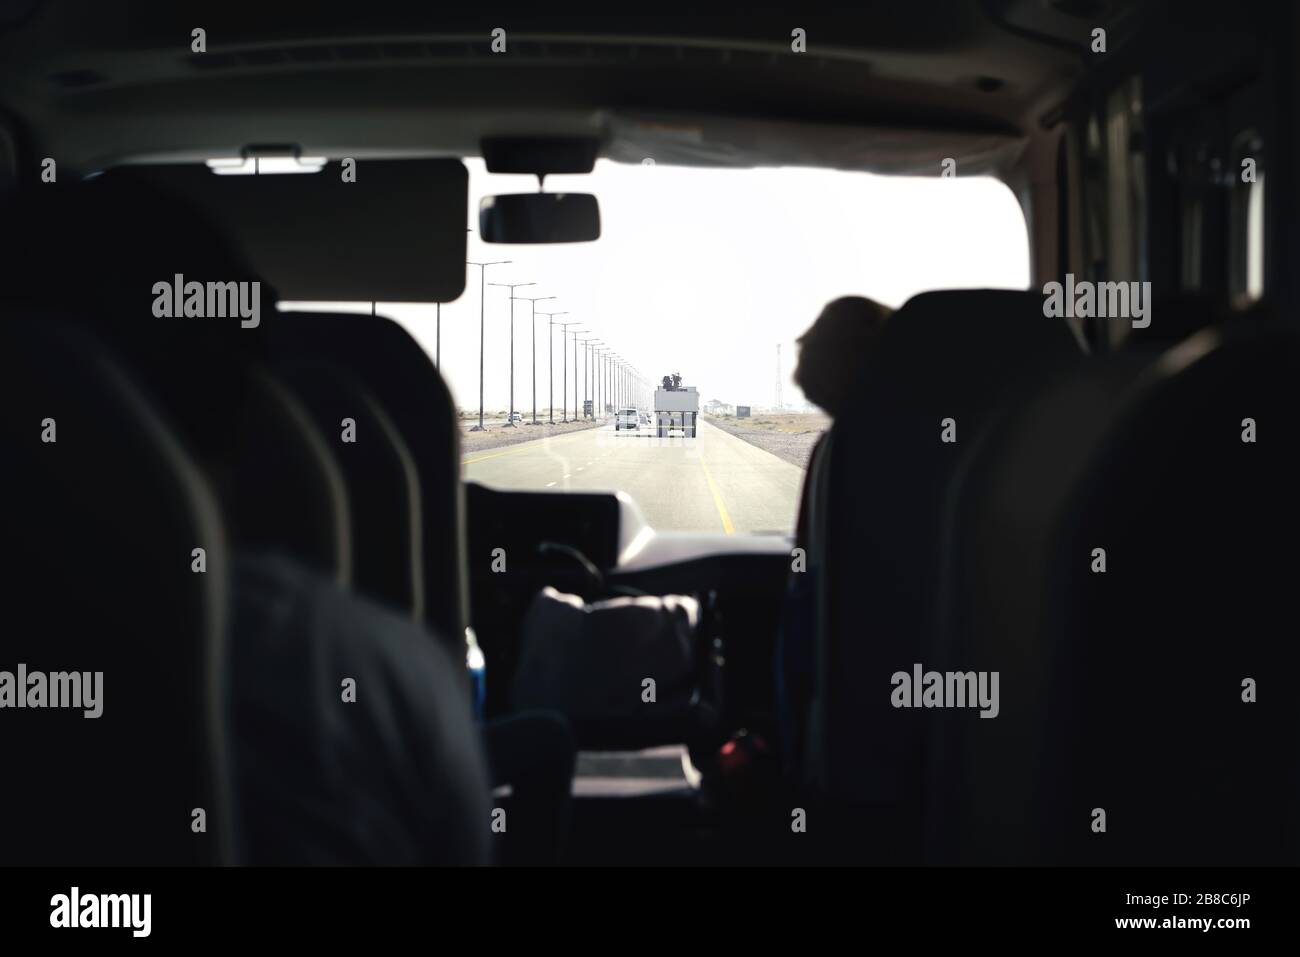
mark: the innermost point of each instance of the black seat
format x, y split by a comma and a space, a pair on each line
278, 476
99, 530
959, 356
382, 481
406, 386
283, 494
1123, 690
280, 485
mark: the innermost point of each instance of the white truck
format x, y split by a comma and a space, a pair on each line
676, 407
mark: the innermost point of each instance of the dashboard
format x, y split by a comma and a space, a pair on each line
593, 543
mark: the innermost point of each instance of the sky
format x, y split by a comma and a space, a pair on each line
704, 271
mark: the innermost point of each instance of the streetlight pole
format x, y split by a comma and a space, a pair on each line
533, 301
600, 378
586, 373
550, 371
575, 371
564, 368
512, 286
591, 381
482, 275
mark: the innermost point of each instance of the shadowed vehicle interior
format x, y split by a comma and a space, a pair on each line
1019, 595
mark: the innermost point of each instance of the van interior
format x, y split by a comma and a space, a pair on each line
1030, 600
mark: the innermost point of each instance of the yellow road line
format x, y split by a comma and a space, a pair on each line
717, 499
519, 447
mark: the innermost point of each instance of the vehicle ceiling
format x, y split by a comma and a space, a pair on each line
888, 87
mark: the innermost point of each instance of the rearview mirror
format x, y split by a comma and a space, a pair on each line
539, 218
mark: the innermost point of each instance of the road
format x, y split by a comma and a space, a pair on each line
714, 482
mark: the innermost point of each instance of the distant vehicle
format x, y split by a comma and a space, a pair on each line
627, 419
515, 417
676, 407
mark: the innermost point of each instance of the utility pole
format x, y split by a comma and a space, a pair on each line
591, 381
600, 378
512, 286
482, 274
576, 340
550, 375
533, 301
564, 369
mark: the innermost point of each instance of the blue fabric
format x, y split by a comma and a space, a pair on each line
396, 777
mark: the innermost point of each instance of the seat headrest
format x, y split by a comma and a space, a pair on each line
964, 334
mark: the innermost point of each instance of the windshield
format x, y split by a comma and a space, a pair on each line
658, 360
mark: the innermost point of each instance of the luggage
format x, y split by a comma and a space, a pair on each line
628, 672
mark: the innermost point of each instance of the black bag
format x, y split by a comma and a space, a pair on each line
628, 672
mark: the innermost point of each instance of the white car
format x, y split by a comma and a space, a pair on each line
626, 419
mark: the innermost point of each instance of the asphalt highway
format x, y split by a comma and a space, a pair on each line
713, 482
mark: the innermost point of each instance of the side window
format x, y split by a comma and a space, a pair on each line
1246, 220
1126, 182
1094, 209
1114, 192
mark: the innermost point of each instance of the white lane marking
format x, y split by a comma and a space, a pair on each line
568, 476
579, 468
549, 484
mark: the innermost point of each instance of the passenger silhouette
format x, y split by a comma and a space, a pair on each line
835, 356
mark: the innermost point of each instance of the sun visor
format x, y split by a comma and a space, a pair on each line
387, 231
739, 142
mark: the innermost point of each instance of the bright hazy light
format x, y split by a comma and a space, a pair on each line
705, 271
